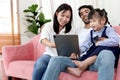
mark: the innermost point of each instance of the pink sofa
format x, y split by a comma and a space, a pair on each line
18, 61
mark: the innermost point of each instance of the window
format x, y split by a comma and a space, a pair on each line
9, 28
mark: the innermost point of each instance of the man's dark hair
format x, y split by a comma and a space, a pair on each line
90, 7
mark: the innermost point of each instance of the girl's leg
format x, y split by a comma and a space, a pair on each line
40, 67
104, 64
75, 71
82, 66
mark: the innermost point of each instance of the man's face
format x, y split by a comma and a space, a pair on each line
84, 15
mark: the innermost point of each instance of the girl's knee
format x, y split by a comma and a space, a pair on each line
106, 55
106, 58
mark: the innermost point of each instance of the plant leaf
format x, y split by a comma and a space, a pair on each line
33, 28
36, 19
47, 20
33, 8
29, 20
41, 17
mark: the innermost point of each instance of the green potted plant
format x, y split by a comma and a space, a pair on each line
35, 18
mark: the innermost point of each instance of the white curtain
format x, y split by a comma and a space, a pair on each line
49, 7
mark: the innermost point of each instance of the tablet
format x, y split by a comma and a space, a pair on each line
66, 44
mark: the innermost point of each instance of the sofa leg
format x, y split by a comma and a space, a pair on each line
9, 78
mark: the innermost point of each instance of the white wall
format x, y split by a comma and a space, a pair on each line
111, 6
23, 4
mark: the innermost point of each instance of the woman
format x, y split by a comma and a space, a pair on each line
61, 25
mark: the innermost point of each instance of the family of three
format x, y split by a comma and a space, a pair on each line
98, 44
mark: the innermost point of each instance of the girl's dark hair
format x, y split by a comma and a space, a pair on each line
99, 13
68, 26
90, 7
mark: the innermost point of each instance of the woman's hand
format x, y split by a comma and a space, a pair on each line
74, 56
52, 44
46, 42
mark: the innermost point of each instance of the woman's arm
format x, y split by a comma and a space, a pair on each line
46, 42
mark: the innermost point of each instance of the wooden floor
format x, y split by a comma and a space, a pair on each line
8, 39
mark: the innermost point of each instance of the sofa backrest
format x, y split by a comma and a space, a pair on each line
117, 29
38, 47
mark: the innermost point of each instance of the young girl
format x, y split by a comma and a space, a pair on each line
100, 38
61, 25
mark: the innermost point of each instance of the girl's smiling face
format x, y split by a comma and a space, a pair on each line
97, 23
98, 19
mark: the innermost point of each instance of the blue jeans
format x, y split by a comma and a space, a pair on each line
57, 65
104, 65
40, 67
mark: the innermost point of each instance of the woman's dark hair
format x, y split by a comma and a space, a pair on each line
68, 26
98, 13
90, 7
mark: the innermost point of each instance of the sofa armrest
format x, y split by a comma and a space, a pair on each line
18, 52
118, 70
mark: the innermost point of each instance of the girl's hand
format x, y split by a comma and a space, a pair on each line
100, 39
74, 56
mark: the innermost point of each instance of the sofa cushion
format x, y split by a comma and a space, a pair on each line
21, 69
87, 75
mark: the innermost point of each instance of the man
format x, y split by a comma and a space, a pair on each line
104, 63
83, 11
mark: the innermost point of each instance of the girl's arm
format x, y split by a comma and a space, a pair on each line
86, 44
112, 40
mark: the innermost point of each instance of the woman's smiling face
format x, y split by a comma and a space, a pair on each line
63, 17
